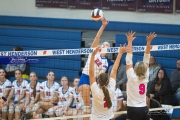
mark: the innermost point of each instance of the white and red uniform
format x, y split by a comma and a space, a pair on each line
100, 110
19, 89
64, 96
117, 96
100, 63
49, 92
6, 85
29, 91
136, 89
78, 101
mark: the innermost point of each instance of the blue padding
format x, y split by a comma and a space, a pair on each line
40, 43
58, 64
175, 113
168, 63
41, 33
42, 72
65, 57
141, 40
90, 24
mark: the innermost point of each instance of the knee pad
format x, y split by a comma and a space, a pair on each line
59, 112
50, 111
4, 109
17, 109
35, 107
11, 109
28, 110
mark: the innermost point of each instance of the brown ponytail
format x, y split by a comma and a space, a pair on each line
34, 90
34, 87
103, 80
107, 97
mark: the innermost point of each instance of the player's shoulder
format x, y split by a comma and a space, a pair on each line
25, 82
7, 81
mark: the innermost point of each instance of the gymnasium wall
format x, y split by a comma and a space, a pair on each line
27, 8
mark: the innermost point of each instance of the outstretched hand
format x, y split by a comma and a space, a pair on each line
151, 37
97, 49
130, 36
122, 49
104, 21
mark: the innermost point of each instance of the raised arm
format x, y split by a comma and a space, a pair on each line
148, 48
97, 38
122, 50
130, 38
91, 66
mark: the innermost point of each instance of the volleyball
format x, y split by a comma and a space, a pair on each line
97, 14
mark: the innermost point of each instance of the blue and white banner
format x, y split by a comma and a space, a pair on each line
59, 52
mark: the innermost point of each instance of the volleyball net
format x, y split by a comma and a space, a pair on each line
57, 61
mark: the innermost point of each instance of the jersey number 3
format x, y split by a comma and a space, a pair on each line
141, 89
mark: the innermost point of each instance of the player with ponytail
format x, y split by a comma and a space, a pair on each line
103, 92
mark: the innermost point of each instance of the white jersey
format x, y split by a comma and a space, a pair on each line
64, 96
29, 91
78, 101
19, 89
6, 85
100, 63
136, 89
100, 110
117, 96
49, 92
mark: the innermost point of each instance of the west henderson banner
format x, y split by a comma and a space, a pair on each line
127, 5
178, 6
52, 3
161, 6
84, 4
60, 52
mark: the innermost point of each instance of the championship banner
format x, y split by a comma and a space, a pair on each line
84, 4
81, 51
178, 6
126, 5
160, 6
52, 3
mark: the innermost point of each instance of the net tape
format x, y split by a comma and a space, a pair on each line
59, 52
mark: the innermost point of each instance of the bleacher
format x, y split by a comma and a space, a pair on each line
51, 33
43, 39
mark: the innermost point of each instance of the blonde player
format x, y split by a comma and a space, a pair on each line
100, 66
48, 95
18, 91
5, 87
103, 92
32, 93
137, 81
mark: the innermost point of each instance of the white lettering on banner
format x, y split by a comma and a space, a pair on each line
112, 50
138, 48
174, 46
162, 47
22, 53
159, 1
